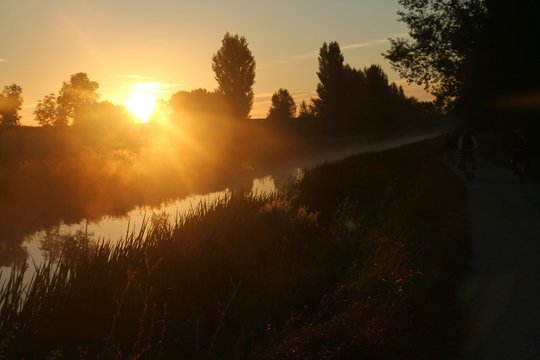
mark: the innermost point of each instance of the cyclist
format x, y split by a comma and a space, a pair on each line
467, 146
519, 148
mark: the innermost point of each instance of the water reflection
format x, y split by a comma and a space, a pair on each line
38, 217
63, 238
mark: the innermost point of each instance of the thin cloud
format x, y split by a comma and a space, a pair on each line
315, 54
154, 85
135, 77
171, 85
370, 43
308, 55
364, 45
302, 93
263, 95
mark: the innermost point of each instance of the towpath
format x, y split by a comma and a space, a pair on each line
503, 291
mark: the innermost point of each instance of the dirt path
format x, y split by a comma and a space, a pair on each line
504, 287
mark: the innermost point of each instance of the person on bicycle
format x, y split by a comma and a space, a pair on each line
467, 146
519, 148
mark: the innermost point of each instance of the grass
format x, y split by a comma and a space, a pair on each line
360, 257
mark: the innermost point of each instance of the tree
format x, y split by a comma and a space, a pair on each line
330, 89
10, 103
46, 112
376, 81
283, 106
198, 102
443, 34
74, 96
471, 54
234, 66
306, 111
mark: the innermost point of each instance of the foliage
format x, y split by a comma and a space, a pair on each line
330, 89
234, 68
306, 111
353, 101
105, 124
198, 102
46, 112
401, 298
247, 276
10, 103
442, 38
77, 104
283, 106
74, 96
467, 52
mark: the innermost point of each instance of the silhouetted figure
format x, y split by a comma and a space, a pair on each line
467, 146
519, 149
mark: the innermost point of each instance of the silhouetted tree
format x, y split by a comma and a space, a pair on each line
306, 111
104, 115
331, 92
443, 34
46, 111
10, 103
307, 121
283, 106
356, 99
104, 123
74, 95
503, 68
234, 66
376, 81
468, 52
198, 102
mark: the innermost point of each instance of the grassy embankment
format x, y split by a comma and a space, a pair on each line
51, 175
361, 257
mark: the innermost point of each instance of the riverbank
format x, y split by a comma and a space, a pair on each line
60, 176
360, 257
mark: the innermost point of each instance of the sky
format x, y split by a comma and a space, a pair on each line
170, 43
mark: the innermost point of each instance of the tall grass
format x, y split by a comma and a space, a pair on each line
212, 282
276, 276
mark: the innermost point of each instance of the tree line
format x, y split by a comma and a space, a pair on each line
348, 99
475, 56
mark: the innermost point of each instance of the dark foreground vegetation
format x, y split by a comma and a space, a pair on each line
362, 257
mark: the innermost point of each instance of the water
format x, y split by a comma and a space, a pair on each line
37, 244
115, 228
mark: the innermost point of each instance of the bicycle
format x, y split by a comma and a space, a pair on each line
520, 165
468, 164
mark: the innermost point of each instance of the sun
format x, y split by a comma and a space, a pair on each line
142, 104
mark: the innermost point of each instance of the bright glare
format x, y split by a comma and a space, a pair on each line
142, 103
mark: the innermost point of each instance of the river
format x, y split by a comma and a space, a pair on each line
112, 227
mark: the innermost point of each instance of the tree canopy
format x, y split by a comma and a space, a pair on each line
283, 106
46, 111
442, 36
10, 103
330, 89
75, 97
467, 52
234, 68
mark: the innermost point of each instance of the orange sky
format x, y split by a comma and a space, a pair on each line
170, 43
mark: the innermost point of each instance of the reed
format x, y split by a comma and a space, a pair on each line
247, 275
